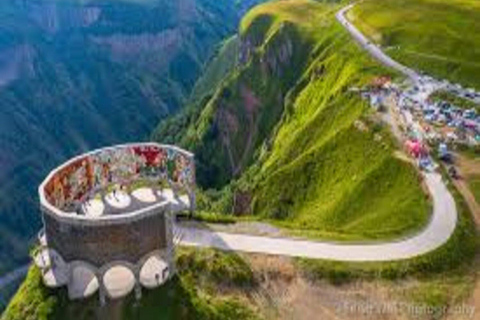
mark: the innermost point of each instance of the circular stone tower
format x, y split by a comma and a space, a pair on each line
109, 219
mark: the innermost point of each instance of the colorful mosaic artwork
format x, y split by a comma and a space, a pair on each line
120, 166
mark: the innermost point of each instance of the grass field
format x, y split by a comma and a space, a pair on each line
442, 278
474, 184
439, 37
469, 164
450, 260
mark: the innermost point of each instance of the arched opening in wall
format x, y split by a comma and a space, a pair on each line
118, 199
144, 195
55, 270
83, 282
119, 281
178, 199
154, 272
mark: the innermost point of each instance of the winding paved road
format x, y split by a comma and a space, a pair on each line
374, 50
438, 231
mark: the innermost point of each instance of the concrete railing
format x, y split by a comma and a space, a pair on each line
78, 178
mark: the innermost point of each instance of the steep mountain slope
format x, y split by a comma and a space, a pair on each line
306, 150
331, 167
249, 102
76, 75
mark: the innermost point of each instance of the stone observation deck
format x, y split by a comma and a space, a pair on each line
108, 219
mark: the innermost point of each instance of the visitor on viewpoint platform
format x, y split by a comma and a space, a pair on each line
164, 272
115, 192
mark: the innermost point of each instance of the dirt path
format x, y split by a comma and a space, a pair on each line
391, 117
286, 293
475, 300
469, 198
468, 167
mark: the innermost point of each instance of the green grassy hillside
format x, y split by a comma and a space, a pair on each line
172, 130
222, 63
249, 102
325, 173
440, 37
307, 151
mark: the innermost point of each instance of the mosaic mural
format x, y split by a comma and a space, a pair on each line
119, 166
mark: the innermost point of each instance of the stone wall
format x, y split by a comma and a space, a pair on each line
106, 242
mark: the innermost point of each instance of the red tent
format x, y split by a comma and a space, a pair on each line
414, 147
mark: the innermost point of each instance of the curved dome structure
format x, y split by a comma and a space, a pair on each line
108, 218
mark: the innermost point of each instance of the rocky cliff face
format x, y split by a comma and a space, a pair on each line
245, 109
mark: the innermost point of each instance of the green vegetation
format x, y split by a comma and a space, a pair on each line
448, 290
455, 100
306, 150
173, 129
472, 159
456, 254
249, 102
279, 125
32, 301
439, 37
469, 152
218, 68
443, 277
193, 294
211, 217
474, 185
324, 172
208, 266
